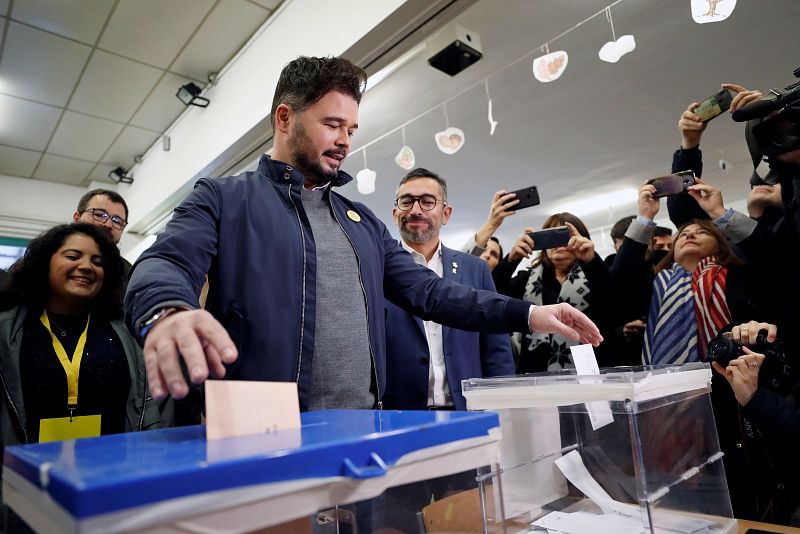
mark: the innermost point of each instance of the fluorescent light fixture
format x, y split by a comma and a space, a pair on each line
599, 202
390, 69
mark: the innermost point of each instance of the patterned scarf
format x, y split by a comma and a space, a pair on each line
686, 311
574, 291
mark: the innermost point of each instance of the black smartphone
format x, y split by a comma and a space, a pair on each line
550, 238
672, 184
527, 196
714, 105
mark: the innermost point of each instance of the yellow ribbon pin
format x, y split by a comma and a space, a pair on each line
354, 216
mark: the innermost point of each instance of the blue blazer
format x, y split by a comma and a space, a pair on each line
466, 354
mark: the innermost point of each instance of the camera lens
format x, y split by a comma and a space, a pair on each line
722, 350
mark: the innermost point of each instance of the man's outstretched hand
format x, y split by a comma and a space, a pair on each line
565, 320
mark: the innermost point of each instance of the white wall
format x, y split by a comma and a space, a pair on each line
27, 206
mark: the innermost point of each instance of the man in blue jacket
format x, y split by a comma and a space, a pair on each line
425, 361
298, 273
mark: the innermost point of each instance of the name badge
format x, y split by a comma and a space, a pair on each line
61, 428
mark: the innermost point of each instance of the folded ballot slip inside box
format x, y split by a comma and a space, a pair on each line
237, 407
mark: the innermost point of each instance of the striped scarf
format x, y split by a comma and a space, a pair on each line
687, 310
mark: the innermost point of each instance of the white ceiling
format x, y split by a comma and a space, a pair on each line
598, 128
87, 85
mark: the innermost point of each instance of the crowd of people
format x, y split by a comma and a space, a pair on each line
308, 286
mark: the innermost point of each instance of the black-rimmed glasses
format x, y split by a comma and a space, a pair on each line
426, 202
100, 215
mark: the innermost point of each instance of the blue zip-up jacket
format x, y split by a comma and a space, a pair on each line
251, 235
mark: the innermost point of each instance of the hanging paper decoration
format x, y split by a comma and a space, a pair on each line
613, 50
490, 117
705, 11
405, 158
450, 140
365, 179
551, 66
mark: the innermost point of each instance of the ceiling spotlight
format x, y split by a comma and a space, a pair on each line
120, 176
189, 94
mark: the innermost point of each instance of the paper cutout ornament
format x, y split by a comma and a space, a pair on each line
405, 158
613, 50
450, 140
550, 67
492, 122
365, 181
705, 11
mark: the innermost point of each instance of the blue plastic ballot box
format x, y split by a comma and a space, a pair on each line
175, 480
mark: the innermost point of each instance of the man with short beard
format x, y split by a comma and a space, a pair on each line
425, 361
297, 273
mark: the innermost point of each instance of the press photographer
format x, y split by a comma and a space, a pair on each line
769, 420
774, 414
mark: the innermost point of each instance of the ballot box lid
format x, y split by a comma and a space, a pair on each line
93, 476
641, 386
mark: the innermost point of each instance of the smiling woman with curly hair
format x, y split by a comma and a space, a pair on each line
61, 334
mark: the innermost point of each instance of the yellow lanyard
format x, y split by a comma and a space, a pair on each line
72, 368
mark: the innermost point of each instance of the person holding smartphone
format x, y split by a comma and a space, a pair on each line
570, 272
483, 243
697, 291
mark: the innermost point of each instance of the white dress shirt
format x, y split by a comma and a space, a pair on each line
438, 390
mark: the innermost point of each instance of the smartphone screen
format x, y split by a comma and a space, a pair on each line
714, 105
550, 238
527, 196
672, 184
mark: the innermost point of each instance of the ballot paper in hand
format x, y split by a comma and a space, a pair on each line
586, 364
236, 407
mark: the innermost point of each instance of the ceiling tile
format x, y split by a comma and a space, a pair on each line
39, 65
113, 87
64, 170
2, 27
269, 4
76, 19
26, 124
17, 161
132, 142
226, 29
100, 173
162, 107
3, 7
82, 137
153, 31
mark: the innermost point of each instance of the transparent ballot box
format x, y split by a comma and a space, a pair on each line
628, 450
343, 471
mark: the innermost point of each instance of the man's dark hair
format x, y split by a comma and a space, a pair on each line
307, 79
28, 283
493, 238
113, 196
419, 172
661, 231
620, 227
